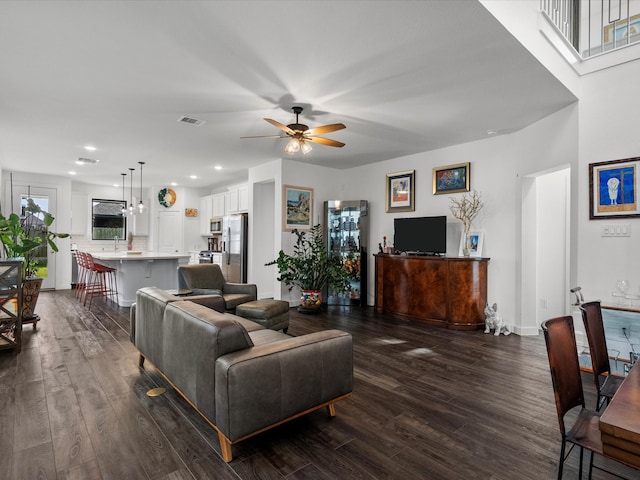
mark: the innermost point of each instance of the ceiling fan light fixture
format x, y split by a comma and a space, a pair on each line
292, 147
305, 147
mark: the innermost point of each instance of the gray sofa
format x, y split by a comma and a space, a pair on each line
207, 278
241, 377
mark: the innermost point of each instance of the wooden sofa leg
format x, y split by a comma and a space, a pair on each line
141, 360
331, 408
225, 448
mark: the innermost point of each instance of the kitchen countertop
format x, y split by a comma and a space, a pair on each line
127, 255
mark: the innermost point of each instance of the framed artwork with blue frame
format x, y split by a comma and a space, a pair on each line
613, 189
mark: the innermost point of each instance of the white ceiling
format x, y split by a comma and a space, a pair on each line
403, 76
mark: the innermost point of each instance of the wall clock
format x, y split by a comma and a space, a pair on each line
166, 197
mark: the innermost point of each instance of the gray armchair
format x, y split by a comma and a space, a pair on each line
207, 279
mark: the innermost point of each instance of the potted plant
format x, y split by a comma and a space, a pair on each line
311, 269
23, 237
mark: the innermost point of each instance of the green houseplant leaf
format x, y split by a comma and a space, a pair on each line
21, 237
310, 267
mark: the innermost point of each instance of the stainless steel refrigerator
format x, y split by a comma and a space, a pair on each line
234, 247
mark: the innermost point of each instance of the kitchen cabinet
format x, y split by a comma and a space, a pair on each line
238, 199
79, 214
206, 206
218, 204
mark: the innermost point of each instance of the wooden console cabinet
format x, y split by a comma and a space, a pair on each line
447, 292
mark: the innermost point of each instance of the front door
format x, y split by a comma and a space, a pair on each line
45, 198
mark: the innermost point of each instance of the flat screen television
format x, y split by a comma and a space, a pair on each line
420, 235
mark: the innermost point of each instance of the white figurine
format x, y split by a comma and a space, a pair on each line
494, 321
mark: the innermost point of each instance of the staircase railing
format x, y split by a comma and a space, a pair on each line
594, 27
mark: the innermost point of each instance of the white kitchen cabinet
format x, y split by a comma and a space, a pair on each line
238, 199
218, 204
140, 221
206, 206
79, 214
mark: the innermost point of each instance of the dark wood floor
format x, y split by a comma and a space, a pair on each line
427, 403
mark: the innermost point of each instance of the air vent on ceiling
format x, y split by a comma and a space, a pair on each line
192, 121
86, 161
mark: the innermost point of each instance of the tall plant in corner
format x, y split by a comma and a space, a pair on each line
311, 268
21, 237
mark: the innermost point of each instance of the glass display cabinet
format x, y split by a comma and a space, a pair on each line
10, 303
346, 232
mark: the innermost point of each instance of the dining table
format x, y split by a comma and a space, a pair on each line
620, 422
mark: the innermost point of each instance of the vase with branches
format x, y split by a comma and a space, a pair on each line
466, 209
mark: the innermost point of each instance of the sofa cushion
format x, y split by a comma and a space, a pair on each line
264, 336
232, 300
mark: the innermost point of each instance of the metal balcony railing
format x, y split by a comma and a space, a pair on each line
595, 26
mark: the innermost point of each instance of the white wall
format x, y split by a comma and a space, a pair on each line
609, 108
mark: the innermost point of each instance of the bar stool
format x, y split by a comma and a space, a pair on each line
101, 280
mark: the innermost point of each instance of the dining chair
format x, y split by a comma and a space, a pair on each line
606, 383
560, 337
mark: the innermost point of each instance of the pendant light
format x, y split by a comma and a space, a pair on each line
141, 204
131, 209
124, 202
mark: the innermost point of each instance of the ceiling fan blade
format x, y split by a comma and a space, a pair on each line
267, 136
279, 125
325, 129
324, 141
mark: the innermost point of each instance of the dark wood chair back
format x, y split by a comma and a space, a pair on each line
560, 338
594, 327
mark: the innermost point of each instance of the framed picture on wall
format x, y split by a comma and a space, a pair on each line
613, 189
452, 178
297, 207
401, 191
476, 240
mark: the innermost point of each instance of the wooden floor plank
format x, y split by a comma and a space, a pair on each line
428, 403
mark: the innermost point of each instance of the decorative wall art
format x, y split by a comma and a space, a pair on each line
297, 211
166, 197
190, 212
475, 241
621, 30
401, 191
613, 191
452, 178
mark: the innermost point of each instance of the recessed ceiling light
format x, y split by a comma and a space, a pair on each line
86, 161
492, 132
71, 172
90, 148
193, 177
218, 167
174, 184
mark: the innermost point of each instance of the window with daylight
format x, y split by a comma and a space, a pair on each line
107, 219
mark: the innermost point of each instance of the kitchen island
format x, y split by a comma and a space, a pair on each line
142, 269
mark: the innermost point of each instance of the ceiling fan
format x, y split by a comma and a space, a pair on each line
300, 135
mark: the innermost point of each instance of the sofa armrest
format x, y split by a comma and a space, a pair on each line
246, 288
263, 385
214, 302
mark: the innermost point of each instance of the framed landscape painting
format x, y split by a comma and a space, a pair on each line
451, 179
297, 207
401, 194
613, 189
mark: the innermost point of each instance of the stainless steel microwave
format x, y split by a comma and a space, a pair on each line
216, 225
